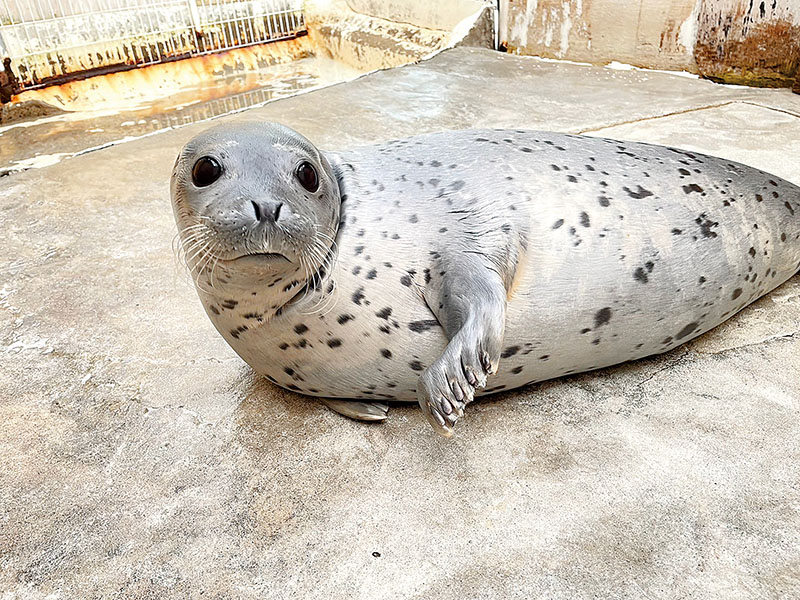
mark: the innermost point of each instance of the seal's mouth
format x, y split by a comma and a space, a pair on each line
256, 259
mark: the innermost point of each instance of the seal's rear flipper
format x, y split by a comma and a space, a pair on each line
360, 411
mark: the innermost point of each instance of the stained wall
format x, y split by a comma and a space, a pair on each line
740, 41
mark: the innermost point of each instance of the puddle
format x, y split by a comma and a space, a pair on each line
46, 141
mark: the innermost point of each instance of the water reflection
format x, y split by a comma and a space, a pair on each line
44, 141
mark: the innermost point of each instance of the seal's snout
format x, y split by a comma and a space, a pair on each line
267, 211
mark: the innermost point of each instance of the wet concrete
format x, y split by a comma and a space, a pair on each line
143, 459
32, 143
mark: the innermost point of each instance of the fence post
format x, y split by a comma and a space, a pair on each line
194, 15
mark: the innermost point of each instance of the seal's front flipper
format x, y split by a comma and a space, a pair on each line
468, 297
360, 411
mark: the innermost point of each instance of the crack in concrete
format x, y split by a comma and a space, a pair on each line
654, 117
689, 110
780, 110
673, 363
769, 340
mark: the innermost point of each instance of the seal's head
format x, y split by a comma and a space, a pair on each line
255, 203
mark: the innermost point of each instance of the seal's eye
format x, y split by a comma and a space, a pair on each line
307, 176
205, 171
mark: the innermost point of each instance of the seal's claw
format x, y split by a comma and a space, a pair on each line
437, 421
360, 411
444, 389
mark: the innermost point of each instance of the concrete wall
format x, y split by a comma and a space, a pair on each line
751, 43
650, 33
430, 14
378, 34
746, 41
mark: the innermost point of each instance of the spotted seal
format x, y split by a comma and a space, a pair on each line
443, 266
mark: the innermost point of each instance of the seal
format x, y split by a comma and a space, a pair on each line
445, 266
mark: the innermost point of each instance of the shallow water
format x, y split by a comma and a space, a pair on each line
45, 141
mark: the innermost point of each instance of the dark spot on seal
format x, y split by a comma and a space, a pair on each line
603, 200
416, 365
667, 340
602, 316
235, 332
289, 371
334, 342
384, 313
558, 223
293, 387
413, 219
585, 219
555, 167
736, 293
435, 163
544, 357
585, 330
683, 171
356, 270
783, 237
406, 280
773, 182
359, 250
509, 352
596, 341
706, 226
639, 193
229, 304
789, 208
386, 353
283, 346
443, 230
687, 330
373, 273
759, 198
358, 296
572, 179
516, 370
342, 319
214, 309
640, 275
300, 328
420, 326
526, 149
752, 251
692, 187
457, 185
702, 280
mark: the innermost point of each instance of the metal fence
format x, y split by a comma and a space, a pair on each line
51, 41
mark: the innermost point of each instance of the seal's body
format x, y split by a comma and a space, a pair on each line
517, 255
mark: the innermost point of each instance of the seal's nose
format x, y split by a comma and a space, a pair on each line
266, 210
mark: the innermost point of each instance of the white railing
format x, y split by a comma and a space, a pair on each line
50, 41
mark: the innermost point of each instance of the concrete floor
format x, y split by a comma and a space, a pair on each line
142, 459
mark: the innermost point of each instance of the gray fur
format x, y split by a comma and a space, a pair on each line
472, 258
